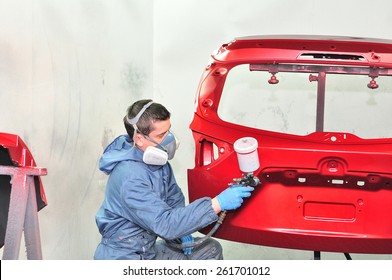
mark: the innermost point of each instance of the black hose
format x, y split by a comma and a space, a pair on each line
200, 241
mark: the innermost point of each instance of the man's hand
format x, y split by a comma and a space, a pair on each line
232, 197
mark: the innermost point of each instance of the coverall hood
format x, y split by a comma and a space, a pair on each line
120, 149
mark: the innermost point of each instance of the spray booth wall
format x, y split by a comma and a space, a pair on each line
69, 70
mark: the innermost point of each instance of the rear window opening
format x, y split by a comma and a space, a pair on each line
287, 101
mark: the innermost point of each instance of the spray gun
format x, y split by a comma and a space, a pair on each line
247, 179
248, 160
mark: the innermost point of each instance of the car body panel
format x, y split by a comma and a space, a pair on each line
322, 191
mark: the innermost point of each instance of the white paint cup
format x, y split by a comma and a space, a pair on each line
248, 158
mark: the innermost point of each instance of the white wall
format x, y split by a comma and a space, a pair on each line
70, 68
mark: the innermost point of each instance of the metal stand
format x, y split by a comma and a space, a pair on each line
22, 213
317, 255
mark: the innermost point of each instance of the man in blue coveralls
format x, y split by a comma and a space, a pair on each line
143, 201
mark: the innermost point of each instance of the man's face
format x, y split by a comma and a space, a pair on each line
159, 131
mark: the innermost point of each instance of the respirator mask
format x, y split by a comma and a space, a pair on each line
161, 153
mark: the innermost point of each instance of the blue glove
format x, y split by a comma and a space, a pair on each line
231, 198
188, 239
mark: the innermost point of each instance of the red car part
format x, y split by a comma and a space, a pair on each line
322, 191
22, 196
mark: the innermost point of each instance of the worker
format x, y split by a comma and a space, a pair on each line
143, 205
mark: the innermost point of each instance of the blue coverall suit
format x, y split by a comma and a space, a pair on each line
143, 202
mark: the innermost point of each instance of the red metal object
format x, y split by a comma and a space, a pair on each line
22, 196
21, 156
323, 191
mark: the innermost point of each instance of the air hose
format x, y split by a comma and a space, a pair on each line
247, 180
200, 241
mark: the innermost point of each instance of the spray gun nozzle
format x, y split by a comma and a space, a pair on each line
248, 179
